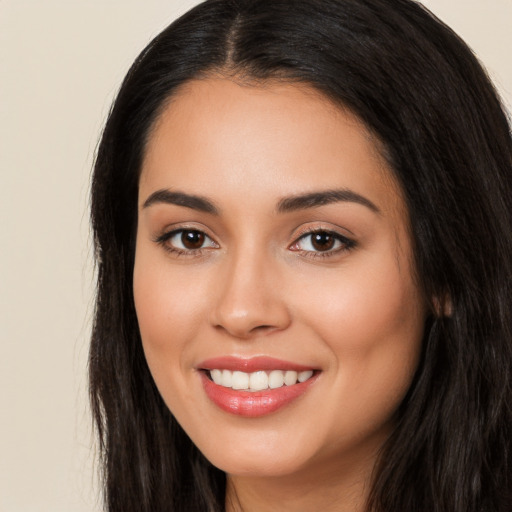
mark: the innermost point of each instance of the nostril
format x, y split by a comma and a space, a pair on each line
245, 333
245, 316
263, 328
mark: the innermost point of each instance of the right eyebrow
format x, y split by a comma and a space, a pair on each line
181, 199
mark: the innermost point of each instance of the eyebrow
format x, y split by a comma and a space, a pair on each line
285, 205
316, 199
181, 199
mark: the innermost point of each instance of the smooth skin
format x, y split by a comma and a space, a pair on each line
248, 278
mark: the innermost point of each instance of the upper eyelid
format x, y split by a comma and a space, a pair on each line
168, 234
338, 232
177, 227
164, 240
348, 241
335, 234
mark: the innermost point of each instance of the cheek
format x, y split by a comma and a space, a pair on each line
372, 322
167, 317
166, 300
166, 323
363, 308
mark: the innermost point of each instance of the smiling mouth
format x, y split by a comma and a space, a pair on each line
259, 380
255, 392
255, 386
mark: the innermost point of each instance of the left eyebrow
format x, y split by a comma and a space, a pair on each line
321, 198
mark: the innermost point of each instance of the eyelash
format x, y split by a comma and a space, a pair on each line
165, 238
345, 244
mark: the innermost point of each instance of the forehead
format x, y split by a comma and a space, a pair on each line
287, 138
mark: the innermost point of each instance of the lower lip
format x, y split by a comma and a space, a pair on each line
253, 404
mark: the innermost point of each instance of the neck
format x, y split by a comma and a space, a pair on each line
327, 487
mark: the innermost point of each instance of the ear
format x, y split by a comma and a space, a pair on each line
442, 306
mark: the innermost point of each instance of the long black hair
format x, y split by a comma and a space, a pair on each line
424, 95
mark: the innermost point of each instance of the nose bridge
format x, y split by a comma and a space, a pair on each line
249, 300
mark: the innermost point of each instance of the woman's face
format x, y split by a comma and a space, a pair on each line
273, 254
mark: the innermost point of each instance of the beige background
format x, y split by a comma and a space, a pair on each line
61, 62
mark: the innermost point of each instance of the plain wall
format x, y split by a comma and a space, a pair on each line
61, 62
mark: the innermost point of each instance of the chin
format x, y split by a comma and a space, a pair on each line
257, 454
276, 465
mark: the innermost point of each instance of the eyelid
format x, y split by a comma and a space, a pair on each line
346, 242
169, 232
316, 227
177, 232
170, 229
343, 242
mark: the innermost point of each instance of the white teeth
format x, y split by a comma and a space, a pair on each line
260, 380
290, 378
240, 380
304, 376
227, 378
216, 376
275, 379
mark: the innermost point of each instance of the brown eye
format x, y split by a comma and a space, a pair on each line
186, 240
322, 241
192, 239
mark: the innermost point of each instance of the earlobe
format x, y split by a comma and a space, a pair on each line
442, 306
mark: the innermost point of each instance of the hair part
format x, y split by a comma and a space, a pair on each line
421, 91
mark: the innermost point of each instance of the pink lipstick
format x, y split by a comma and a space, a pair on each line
256, 386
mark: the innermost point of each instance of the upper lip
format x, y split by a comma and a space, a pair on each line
251, 364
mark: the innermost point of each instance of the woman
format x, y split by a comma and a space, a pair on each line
302, 220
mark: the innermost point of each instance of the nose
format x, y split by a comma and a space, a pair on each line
250, 299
